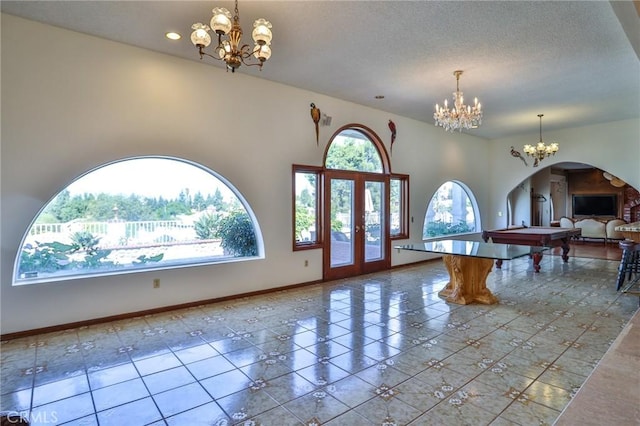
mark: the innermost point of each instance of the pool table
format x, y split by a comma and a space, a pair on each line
534, 236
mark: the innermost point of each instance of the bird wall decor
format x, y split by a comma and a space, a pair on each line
392, 128
315, 116
614, 180
517, 154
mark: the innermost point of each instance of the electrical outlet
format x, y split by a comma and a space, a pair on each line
306, 263
156, 283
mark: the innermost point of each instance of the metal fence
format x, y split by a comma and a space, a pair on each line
118, 234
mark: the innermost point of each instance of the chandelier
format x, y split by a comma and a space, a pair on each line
229, 34
461, 116
540, 150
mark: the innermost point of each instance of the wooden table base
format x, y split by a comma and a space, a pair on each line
468, 280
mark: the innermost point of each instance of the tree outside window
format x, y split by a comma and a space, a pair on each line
351, 150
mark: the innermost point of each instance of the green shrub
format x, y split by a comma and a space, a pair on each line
237, 234
86, 241
47, 257
206, 227
435, 229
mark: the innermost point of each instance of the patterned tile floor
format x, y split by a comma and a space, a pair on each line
380, 349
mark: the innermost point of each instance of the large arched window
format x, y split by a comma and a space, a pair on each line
452, 210
135, 215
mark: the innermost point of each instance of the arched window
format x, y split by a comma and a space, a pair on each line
135, 215
452, 210
353, 150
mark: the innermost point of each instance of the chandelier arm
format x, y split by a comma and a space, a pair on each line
245, 52
252, 64
211, 56
203, 53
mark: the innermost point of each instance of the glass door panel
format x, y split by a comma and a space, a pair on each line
374, 221
342, 223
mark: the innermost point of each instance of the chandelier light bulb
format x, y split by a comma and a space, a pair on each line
221, 21
262, 53
200, 35
262, 32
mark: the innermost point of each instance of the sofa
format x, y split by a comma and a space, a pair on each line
595, 228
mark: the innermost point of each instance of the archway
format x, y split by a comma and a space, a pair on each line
552, 192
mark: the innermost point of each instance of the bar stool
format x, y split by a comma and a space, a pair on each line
630, 262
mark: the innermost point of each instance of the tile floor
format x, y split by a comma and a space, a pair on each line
380, 349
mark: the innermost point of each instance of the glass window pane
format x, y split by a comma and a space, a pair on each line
133, 215
398, 206
351, 150
306, 205
450, 211
394, 206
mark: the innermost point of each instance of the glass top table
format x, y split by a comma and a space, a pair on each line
469, 264
474, 249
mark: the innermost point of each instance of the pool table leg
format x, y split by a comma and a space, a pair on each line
537, 257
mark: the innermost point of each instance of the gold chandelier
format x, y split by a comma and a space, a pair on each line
461, 116
540, 151
229, 36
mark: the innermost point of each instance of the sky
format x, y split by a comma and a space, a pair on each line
148, 177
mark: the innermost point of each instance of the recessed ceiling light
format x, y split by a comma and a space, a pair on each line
173, 36
379, 96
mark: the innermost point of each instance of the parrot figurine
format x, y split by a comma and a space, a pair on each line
517, 154
392, 128
315, 116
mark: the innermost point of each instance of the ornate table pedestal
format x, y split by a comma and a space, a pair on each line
469, 264
468, 280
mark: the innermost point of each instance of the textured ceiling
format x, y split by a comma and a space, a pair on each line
572, 61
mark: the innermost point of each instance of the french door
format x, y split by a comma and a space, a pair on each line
356, 228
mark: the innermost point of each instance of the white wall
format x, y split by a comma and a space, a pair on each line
541, 200
520, 204
72, 102
614, 147
558, 186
